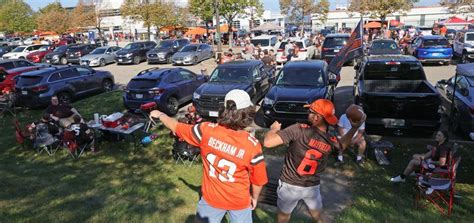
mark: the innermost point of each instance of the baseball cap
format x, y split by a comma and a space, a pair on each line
325, 108
240, 97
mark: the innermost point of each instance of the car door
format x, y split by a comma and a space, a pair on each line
71, 79
174, 80
88, 81
258, 85
187, 84
108, 55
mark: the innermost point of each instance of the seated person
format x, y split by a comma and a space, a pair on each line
61, 113
84, 134
43, 131
437, 155
358, 139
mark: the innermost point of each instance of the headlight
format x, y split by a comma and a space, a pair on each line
268, 101
128, 54
469, 49
196, 95
56, 57
95, 59
187, 58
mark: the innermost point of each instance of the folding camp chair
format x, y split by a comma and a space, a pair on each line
71, 145
442, 182
44, 141
184, 153
145, 109
7, 102
20, 135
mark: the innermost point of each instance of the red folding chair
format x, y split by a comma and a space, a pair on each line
70, 144
20, 134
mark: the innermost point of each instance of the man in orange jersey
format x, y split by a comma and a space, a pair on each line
307, 156
234, 170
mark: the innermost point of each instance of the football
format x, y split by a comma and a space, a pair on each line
354, 113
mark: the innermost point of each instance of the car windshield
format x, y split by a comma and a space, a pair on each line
99, 51
143, 83
394, 71
43, 48
60, 49
132, 46
231, 74
470, 37
165, 44
189, 49
74, 49
384, 45
435, 42
29, 80
335, 41
300, 77
19, 49
262, 42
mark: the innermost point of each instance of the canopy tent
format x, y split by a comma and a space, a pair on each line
396, 23
471, 21
267, 26
454, 20
373, 25
225, 29
196, 31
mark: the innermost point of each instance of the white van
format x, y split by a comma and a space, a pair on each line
266, 42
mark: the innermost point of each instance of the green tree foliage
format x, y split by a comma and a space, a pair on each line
16, 16
84, 15
203, 9
53, 17
297, 10
380, 8
459, 6
230, 9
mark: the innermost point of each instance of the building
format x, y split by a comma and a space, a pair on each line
418, 16
243, 22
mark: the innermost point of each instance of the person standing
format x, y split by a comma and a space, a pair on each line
358, 139
311, 54
307, 157
232, 159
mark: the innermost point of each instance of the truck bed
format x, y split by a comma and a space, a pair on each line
398, 87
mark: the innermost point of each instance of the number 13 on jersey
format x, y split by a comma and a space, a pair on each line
226, 168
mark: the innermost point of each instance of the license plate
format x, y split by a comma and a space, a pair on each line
84, 63
139, 96
213, 114
435, 54
179, 61
120, 60
336, 51
395, 123
24, 92
47, 61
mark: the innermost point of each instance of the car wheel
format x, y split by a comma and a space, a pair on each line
195, 60
136, 60
102, 62
63, 60
107, 85
464, 58
21, 58
169, 59
64, 98
447, 63
172, 106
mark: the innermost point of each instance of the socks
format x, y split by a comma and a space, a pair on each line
339, 157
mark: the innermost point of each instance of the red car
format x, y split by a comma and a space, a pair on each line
7, 77
38, 56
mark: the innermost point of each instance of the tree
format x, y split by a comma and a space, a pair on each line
53, 17
140, 11
230, 9
16, 16
202, 9
380, 8
84, 15
297, 10
459, 6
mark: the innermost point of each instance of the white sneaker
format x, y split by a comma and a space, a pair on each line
429, 191
397, 179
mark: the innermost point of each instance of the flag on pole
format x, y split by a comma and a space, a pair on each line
352, 49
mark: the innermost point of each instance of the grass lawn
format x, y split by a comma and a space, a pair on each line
120, 184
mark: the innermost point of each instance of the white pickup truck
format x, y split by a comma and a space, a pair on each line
463, 45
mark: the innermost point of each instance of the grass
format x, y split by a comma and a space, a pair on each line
121, 184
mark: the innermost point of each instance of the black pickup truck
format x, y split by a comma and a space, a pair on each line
395, 94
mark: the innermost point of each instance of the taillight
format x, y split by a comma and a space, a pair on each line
156, 91
392, 63
78, 53
39, 89
280, 50
325, 49
302, 50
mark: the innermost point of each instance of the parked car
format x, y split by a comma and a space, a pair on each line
35, 88
7, 77
30, 40
21, 52
134, 53
163, 52
297, 84
100, 56
301, 43
192, 54
248, 75
14, 63
462, 115
58, 56
3, 41
266, 42
450, 35
424, 30
332, 44
6, 49
169, 88
383, 47
16, 41
74, 53
431, 48
395, 95
463, 45
38, 56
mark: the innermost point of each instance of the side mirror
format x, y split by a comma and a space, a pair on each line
199, 50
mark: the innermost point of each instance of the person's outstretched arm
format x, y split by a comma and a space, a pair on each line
169, 122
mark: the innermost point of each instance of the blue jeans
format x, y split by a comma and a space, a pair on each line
208, 214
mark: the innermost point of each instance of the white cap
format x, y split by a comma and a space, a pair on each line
240, 97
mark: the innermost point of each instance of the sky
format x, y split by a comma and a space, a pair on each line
271, 5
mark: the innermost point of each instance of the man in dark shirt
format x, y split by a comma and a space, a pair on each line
307, 157
84, 135
61, 113
266, 59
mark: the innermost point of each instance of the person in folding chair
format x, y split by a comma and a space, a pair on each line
83, 134
234, 170
438, 156
44, 134
61, 113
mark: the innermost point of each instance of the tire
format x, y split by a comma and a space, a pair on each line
107, 85
64, 97
21, 58
172, 106
195, 60
102, 62
63, 60
464, 58
136, 60
169, 60
446, 63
